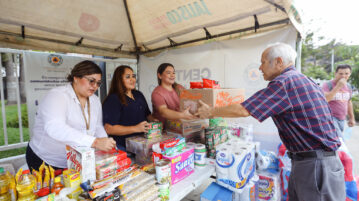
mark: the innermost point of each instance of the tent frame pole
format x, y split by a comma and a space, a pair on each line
131, 27
276, 5
285, 21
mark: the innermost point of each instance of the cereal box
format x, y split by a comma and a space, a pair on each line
82, 159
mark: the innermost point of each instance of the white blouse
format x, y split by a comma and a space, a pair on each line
59, 121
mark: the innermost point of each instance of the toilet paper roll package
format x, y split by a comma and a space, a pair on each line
268, 186
267, 160
235, 164
250, 191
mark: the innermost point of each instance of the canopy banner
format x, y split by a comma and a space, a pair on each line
234, 63
125, 28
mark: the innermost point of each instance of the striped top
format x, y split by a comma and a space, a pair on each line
299, 110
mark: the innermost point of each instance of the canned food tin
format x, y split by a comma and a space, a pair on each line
164, 191
199, 155
163, 171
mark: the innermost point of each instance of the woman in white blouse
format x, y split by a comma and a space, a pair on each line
69, 115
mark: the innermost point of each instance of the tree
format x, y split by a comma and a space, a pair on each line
316, 72
22, 79
354, 78
10, 79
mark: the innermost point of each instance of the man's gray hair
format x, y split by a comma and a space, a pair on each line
282, 50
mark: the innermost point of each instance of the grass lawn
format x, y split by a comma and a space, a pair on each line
13, 133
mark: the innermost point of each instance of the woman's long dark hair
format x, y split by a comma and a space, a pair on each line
161, 68
117, 85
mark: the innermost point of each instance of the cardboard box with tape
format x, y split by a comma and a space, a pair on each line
212, 97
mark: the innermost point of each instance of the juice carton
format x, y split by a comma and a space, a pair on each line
182, 164
82, 159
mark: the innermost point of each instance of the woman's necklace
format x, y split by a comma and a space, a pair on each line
130, 95
83, 110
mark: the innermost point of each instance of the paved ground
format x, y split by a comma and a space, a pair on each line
352, 143
353, 146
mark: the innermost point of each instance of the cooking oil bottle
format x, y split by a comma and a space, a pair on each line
25, 186
4, 186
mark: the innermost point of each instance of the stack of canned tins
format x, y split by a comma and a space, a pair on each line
214, 137
163, 177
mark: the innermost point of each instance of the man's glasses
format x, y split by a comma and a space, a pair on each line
92, 81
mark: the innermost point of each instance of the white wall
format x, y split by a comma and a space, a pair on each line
234, 63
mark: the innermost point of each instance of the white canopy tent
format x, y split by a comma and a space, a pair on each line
130, 27
140, 29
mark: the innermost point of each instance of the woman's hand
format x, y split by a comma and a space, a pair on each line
104, 144
142, 127
187, 115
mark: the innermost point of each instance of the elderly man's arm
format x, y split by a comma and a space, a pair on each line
234, 110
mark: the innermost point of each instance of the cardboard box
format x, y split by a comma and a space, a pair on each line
186, 126
82, 159
215, 192
212, 97
196, 137
72, 178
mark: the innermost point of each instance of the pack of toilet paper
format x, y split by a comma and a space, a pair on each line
235, 164
268, 186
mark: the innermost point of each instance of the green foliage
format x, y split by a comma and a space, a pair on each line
13, 132
355, 100
316, 72
349, 53
316, 60
14, 123
12, 152
354, 78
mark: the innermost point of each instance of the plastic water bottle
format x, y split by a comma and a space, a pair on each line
25, 186
4, 186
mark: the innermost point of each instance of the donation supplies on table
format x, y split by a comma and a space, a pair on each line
154, 130
142, 147
109, 163
235, 164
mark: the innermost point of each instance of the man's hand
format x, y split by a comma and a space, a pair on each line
351, 122
204, 111
185, 114
342, 82
104, 144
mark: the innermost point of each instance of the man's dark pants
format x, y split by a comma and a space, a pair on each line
319, 178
